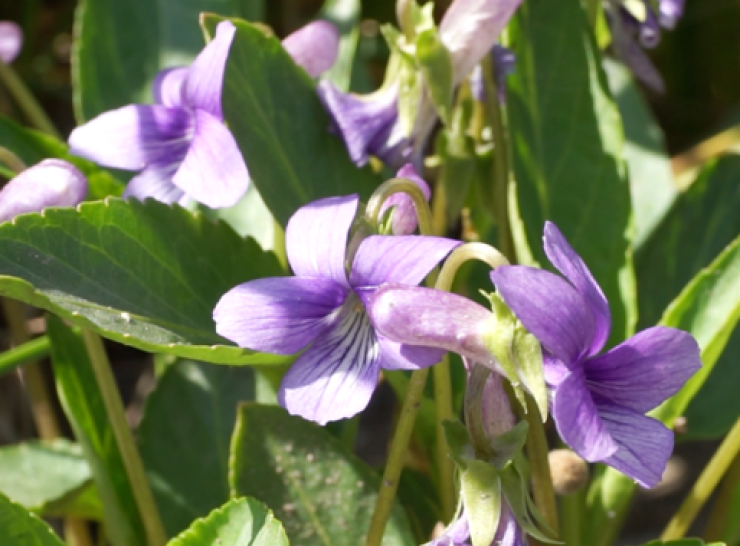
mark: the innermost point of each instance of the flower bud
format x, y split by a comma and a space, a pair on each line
11, 41
51, 183
569, 472
404, 220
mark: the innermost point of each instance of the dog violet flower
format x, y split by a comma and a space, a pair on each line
322, 310
180, 144
599, 401
11, 41
314, 47
50, 183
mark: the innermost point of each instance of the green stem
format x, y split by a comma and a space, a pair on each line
33, 350
500, 163
279, 244
723, 504
704, 485
537, 449
572, 507
592, 11
124, 438
11, 160
473, 413
443, 406
393, 467
398, 185
26, 101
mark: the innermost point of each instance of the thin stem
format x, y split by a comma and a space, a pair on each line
544, 496
393, 467
443, 406
26, 101
11, 160
474, 413
278, 246
704, 485
500, 162
723, 504
571, 508
33, 350
33, 378
124, 438
469, 251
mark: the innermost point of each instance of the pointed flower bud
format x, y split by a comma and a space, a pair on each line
404, 220
314, 47
51, 183
11, 41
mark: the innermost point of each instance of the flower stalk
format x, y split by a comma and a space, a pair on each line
125, 440
26, 101
704, 486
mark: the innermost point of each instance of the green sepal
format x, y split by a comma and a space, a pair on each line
508, 445
514, 486
458, 442
519, 354
480, 488
436, 65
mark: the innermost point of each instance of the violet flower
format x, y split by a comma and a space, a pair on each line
504, 62
369, 125
50, 183
404, 220
508, 532
11, 41
180, 144
321, 311
629, 33
599, 401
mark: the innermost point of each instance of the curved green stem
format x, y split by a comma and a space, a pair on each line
36, 349
723, 504
11, 160
704, 485
125, 440
398, 185
26, 101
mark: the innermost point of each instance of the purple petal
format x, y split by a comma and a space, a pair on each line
278, 315
404, 259
670, 11
206, 75
363, 123
555, 371
578, 421
650, 30
644, 444
430, 318
314, 47
395, 356
134, 136
155, 182
629, 51
457, 534
469, 29
168, 87
50, 183
11, 41
316, 238
570, 264
550, 308
336, 376
404, 216
508, 532
213, 171
646, 369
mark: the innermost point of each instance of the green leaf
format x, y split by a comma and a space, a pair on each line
48, 478
121, 46
458, 442
509, 444
323, 494
652, 186
436, 65
684, 542
144, 274
566, 145
85, 410
19, 527
240, 522
678, 251
33, 146
480, 489
345, 15
184, 438
281, 127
